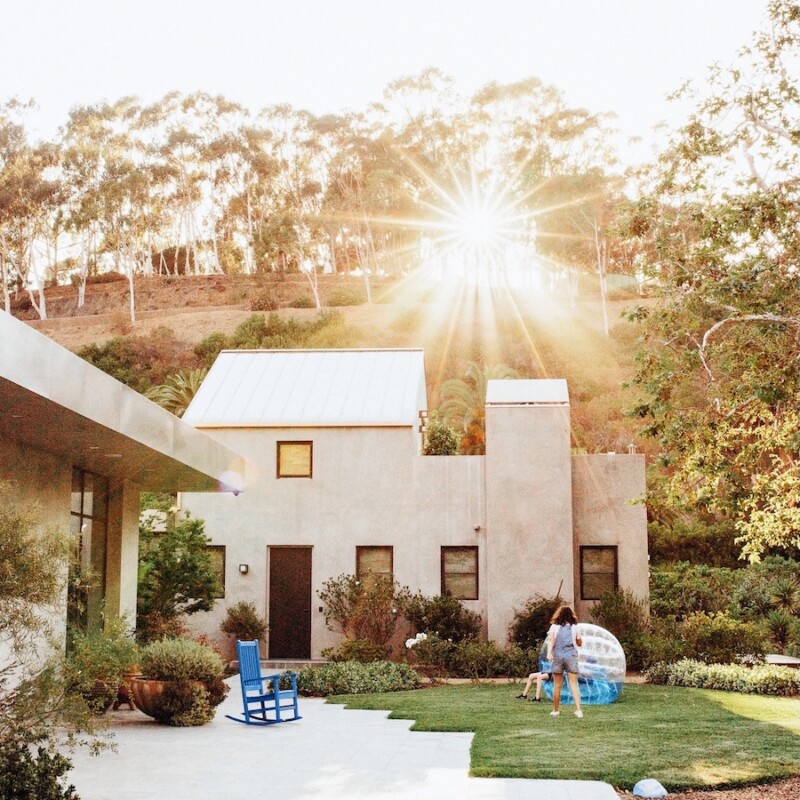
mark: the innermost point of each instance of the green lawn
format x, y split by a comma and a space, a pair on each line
686, 738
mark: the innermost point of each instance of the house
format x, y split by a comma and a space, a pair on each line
81, 446
335, 483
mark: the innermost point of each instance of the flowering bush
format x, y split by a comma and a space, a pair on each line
760, 679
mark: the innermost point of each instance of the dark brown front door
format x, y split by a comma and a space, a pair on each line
290, 602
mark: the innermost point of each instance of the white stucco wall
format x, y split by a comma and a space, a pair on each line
604, 494
529, 508
368, 488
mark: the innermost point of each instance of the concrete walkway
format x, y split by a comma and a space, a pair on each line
330, 753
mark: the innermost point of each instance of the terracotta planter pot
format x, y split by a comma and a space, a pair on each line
147, 693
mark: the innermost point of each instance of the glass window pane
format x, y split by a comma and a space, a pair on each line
462, 587
595, 584
599, 559
461, 560
294, 459
77, 486
98, 497
217, 555
375, 560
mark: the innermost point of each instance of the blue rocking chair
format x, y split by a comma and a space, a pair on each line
263, 699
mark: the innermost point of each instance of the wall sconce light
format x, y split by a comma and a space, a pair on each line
244, 569
476, 527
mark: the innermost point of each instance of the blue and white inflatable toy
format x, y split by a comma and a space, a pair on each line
601, 667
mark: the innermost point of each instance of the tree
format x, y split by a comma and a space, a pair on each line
440, 440
176, 575
178, 390
464, 404
720, 231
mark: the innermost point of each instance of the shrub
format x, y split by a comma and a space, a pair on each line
479, 658
184, 663
712, 544
243, 622
28, 774
684, 588
760, 679
302, 301
531, 622
443, 616
367, 609
431, 655
346, 297
181, 660
263, 301
209, 348
104, 277
718, 638
360, 650
440, 440
352, 677
626, 617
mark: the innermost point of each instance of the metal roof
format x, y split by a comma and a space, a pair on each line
54, 401
514, 392
311, 388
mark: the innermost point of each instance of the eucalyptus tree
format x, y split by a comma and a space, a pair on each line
720, 226
30, 199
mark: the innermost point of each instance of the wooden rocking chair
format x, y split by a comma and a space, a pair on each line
263, 699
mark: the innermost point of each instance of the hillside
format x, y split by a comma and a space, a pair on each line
536, 332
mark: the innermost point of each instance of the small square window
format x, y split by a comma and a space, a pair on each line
295, 459
460, 572
374, 561
598, 571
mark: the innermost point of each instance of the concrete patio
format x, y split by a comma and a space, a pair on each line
331, 753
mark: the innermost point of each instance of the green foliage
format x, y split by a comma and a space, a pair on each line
360, 650
442, 616
185, 704
176, 575
33, 773
463, 404
531, 622
140, 361
682, 589
718, 638
433, 655
243, 622
181, 660
352, 677
367, 609
759, 679
100, 657
31, 581
265, 300
712, 544
346, 297
301, 301
274, 333
626, 617
480, 658
178, 390
440, 440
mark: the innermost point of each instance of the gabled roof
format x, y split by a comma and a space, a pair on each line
54, 401
311, 388
541, 392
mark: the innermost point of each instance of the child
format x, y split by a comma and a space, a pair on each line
540, 678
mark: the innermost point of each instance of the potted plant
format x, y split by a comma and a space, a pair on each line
98, 662
243, 622
181, 682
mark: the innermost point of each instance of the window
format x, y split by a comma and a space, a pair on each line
460, 572
598, 571
88, 517
294, 459
374, 561
217, 554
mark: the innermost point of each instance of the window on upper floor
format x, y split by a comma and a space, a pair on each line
460, 572
598, 571
295, 459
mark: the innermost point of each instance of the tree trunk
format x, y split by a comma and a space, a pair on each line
601, 249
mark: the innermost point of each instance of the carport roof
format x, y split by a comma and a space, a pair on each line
52, 400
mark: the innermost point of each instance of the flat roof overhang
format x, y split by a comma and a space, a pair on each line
52, 400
